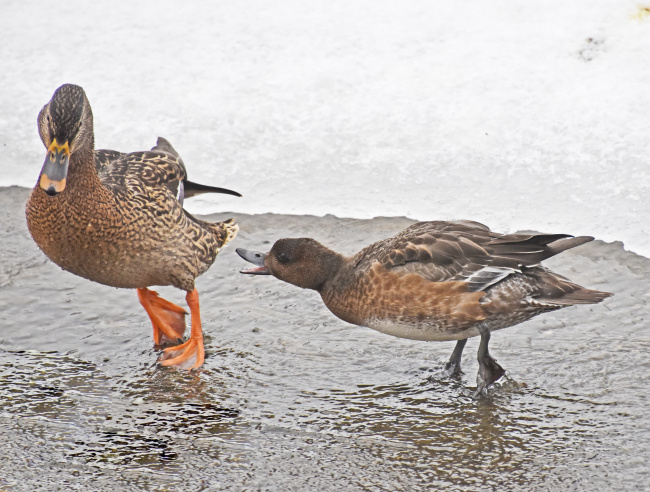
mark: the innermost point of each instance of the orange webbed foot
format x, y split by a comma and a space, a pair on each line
167, 319
188, 355
191, 354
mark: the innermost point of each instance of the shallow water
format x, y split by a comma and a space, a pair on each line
290, 398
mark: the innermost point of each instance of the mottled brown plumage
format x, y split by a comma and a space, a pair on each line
116, 218
434, 281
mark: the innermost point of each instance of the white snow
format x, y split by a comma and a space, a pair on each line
519, 114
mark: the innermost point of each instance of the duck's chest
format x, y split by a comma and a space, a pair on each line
64, 227
98, 241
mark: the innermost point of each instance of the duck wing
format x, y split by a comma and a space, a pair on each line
140, 173
159, 167
465, 251
186, 188
104, 158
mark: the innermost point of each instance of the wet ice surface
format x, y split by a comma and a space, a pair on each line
290, 398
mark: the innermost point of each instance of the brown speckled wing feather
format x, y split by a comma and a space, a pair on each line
160, 167
104, 158
145, 184
463, 251
141, 173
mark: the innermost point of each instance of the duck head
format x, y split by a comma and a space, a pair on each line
65, 125
302, 262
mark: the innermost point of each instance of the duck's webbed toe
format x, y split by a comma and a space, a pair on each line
188, 355
489, 371
167, 319
191, 354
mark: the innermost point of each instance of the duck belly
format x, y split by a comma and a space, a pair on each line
425, 330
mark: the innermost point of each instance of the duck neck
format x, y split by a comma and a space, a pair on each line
339, 292
82, 175
331, 265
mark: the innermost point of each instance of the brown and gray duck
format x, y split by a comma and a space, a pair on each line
434, 281
118, 219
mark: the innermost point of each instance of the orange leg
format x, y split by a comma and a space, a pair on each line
167, 318
188, 355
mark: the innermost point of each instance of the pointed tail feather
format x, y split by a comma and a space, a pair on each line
579, 296
190, 188
532, 249
567, 243
193, 189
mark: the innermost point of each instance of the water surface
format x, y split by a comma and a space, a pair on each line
291, 398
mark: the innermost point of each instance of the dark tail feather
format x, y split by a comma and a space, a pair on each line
560, 245
190, 189
193, 189
580, 296
532, 249
529, 240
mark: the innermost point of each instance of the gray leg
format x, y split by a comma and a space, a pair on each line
453, 366
488, 369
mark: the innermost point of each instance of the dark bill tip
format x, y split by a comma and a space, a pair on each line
50, 186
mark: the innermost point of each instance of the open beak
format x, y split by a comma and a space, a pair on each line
55, 169
255, 258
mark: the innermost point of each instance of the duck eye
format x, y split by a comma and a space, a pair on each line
283, 258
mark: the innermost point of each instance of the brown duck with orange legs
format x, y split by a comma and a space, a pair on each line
434, 281
118, 219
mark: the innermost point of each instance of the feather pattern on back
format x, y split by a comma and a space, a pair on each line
465, 251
